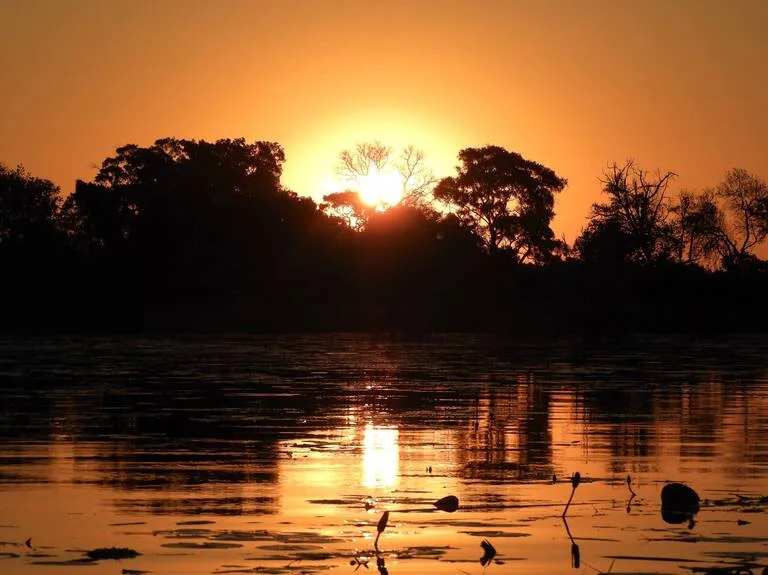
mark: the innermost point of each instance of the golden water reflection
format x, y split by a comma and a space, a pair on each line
381, 456
279, 473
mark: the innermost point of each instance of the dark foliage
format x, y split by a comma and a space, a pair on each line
188, 235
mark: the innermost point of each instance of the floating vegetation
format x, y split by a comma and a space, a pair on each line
204, 545
423, 551
112, 553
305, 569
498, 534
193, 522
449, 503
742, 556
479, 524
333, 502
83, 561
127, 523
39, 555
186, 533
489, 552
243, 536
719, 570
288, 547
652, 558
307, 537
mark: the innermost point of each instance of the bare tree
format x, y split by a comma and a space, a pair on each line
638, 204
744, 223
417, 179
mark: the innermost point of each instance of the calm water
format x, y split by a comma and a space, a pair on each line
279, 455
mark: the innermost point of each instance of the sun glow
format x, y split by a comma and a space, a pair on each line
380, 188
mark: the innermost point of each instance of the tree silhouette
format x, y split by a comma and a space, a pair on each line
196, 217
604, 242
348, 207
744, 223
507, 200
29, 210
417, 179
34, 249
695, 224
195, 235
637, 204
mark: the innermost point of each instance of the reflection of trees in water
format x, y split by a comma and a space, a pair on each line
508, 434
164, 467
167, 415
214, 505
698, 408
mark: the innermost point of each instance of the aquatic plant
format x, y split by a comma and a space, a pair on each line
632, 493
489, 552
575, 551
575, 481
359, 561
380, 527
629, 486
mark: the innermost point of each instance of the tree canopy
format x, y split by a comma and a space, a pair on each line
189, 234
506, 200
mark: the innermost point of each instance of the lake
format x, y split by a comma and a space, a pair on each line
281, 454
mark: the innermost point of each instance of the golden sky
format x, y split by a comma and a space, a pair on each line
678, 85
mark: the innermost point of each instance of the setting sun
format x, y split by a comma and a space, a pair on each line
380, 188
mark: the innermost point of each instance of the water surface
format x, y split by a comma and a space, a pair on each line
280, 454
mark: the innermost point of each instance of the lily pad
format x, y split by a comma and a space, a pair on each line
112, 553
205, 545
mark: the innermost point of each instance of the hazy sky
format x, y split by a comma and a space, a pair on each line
678, 85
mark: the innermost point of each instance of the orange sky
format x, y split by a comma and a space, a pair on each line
677, 84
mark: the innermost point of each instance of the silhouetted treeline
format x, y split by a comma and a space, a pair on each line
189, 235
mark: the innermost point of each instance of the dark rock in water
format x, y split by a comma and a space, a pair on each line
112, 553
679, 497
679, 504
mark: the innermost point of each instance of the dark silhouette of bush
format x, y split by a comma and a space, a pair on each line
188, 235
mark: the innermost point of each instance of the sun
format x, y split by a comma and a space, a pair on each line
381, 189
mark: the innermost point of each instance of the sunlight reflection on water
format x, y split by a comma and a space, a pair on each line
257, 455
381, 453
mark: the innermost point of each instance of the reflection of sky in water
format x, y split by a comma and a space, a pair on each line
290, 460
380, 456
